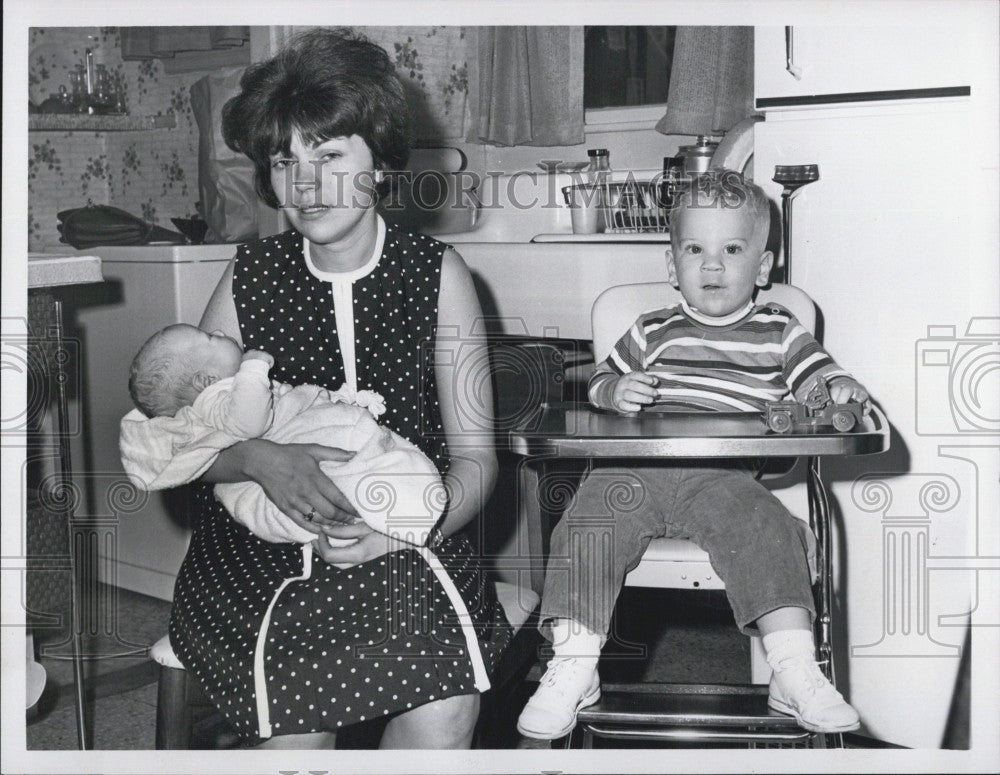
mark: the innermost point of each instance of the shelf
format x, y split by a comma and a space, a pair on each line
72, 122
648, 236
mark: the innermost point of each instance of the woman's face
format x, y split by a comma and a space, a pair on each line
325, 189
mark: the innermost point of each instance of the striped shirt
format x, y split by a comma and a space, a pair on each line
764, 356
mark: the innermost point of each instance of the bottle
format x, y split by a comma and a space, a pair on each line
599, 169
599, 176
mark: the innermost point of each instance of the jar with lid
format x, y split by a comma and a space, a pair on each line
599, 169
698, 157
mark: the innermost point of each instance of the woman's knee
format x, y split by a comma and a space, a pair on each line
459, 713
447, 723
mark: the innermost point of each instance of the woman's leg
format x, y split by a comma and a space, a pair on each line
310, 741
447, 723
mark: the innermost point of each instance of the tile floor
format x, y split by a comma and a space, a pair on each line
120, 676
691, 638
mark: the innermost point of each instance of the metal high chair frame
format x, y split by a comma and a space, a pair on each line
563, 433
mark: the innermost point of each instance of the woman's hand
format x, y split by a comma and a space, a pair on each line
259, 355
291, 478
370, 544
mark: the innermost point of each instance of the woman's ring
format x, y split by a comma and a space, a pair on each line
311, 515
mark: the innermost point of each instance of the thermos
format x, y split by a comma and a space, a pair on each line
698, 157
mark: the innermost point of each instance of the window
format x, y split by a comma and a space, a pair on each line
626, 66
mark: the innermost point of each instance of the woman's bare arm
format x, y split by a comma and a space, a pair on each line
466, 400
220, 312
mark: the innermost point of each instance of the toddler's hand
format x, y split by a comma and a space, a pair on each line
844, 389
633, 391
258, 355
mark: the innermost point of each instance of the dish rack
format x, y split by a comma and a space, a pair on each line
635, 206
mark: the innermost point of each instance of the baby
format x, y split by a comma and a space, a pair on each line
198, 393
715, 351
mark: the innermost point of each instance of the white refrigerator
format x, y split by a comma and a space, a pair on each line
897, 243
137, 540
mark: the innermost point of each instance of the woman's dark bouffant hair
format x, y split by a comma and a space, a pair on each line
326, 83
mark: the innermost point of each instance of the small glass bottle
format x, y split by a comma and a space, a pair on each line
599, 176
599, 169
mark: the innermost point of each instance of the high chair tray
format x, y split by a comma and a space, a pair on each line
578, 430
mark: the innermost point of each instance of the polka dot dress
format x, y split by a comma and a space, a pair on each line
343, 645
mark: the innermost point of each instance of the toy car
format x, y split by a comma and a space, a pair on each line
817, 411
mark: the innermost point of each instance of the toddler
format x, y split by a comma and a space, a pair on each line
716, 351
197, 393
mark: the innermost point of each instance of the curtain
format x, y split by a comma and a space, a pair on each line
526, 86
183, 49
711, 81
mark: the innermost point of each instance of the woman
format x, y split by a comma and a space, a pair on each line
289, 640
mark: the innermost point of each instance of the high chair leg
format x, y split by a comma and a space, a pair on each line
173, 710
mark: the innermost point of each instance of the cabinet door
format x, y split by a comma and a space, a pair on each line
847, 60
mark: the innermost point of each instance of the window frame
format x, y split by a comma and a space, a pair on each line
623, 118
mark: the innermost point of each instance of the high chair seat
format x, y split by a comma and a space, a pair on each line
674, 563
163, 654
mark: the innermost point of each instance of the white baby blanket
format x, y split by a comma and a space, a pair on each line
393, 486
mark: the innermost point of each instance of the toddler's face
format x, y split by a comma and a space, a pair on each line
214, 353
715, 258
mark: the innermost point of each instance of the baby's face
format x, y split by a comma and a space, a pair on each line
214, 353
716, 259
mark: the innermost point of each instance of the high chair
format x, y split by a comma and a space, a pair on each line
727, 714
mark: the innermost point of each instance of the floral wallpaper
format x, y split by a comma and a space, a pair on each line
432, 62
154, 173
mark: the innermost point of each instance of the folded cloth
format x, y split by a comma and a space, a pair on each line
390, 482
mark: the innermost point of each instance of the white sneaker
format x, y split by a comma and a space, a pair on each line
568, 685
799, 688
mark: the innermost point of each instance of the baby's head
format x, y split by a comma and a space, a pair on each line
176, 364
718, 234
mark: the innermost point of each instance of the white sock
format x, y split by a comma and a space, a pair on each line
788, 643
572, 639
